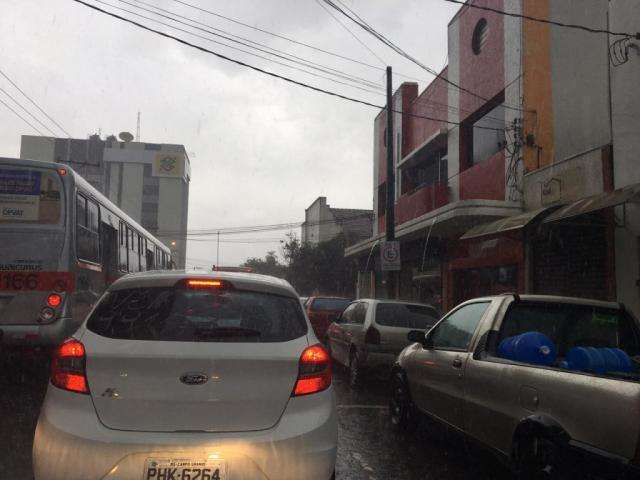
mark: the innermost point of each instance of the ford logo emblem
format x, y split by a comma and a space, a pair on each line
194, 378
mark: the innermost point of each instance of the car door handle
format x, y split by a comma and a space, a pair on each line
457, 363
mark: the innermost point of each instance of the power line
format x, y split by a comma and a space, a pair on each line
219, 43
27, 111
544, 20
288, 39
365, 26
35, 104
261, 228
21, 117
227, 36
351, 33
262, 70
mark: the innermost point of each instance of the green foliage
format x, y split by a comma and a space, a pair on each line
267, 266
319, 269
312, 269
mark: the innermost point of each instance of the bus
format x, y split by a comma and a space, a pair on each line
62, 244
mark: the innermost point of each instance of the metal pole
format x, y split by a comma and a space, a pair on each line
390, 232
218, 252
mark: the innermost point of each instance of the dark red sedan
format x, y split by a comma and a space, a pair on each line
324, 310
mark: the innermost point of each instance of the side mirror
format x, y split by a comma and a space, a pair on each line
416, 336
428, 340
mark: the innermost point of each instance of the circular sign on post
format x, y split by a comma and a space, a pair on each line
390, 256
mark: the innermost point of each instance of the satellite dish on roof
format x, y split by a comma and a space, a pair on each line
125, 136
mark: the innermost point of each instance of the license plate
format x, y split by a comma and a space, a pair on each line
185, 469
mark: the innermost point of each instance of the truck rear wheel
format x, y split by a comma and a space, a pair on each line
534, 458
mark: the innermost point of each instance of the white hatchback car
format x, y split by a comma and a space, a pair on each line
182, 377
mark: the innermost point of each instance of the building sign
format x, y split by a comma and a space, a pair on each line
168, 165
390, 256
19, 195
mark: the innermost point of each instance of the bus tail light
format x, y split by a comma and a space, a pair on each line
314, 371
68, 367
54, 300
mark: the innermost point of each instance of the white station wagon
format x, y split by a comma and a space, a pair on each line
182, 377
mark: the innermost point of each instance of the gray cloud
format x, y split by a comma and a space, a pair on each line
262, 150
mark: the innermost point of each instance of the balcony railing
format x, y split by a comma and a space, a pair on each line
420, 201
484, 180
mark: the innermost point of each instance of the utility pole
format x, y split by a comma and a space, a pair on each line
218, 251
390, 233
138, 128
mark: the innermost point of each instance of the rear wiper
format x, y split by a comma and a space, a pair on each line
227, 332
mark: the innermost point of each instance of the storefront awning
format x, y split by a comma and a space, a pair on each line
597, 202
506, 224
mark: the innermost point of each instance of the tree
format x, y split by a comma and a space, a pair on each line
268, 266
319, 269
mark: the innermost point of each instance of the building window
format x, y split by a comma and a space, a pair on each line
151, 190
482, 135
480, 36
488, 135
429, 169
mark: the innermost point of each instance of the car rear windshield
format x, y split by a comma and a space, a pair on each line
401, 315
169, 314
330, 304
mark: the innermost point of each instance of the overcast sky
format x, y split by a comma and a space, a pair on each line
261, 149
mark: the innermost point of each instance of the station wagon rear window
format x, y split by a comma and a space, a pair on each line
168, 314
330, 304
405, 316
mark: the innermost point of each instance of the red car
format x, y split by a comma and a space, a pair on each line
324, 310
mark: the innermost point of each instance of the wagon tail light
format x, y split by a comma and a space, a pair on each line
372, 336
314, 371
68, 367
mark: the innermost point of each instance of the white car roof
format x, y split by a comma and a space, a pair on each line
240, 280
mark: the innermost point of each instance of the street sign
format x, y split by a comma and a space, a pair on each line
390, 256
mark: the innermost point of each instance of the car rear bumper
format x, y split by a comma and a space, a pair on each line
37, 335
71, 443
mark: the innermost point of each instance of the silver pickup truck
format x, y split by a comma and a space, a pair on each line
537, 379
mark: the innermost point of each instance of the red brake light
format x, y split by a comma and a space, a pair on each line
372, 336
68, 367
314, 371
54, 300
204, 283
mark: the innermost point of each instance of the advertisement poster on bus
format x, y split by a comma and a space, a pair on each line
19, 195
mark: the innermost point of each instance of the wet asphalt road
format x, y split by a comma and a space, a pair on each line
368, 447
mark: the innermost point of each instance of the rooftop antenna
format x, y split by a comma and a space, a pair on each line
138, 128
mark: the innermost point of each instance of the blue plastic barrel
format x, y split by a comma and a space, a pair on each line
626, 365
586, 359
598, 360
529, 347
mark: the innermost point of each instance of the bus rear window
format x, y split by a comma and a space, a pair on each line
30, 196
